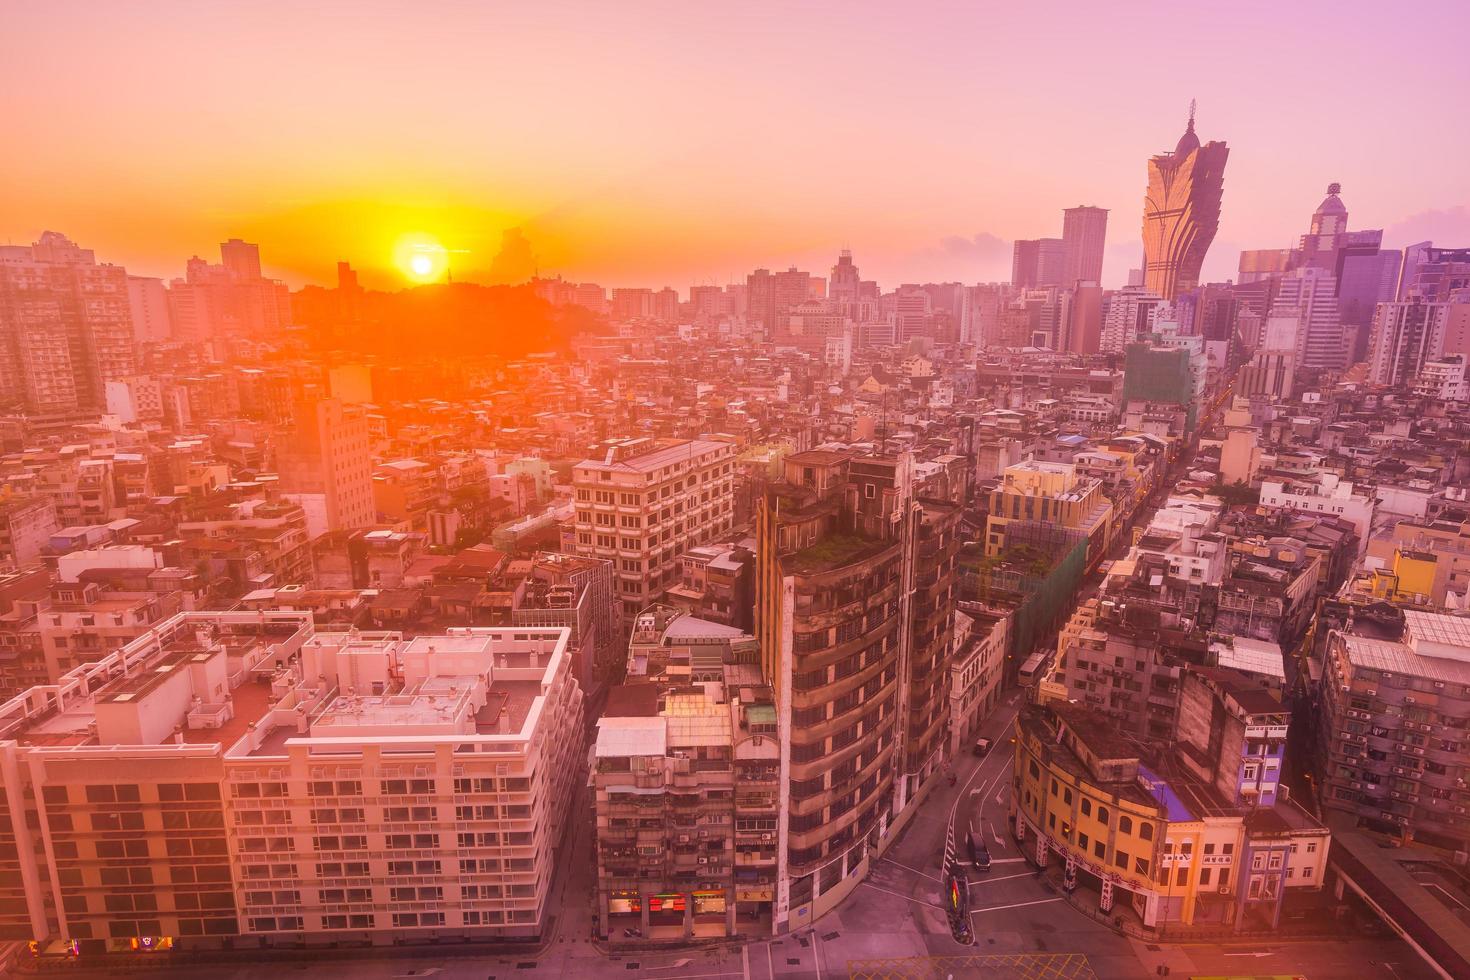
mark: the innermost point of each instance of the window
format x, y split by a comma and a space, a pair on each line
1102, 815
1146, 831
1082, 840
1086, 807
1204, 876
1125, 824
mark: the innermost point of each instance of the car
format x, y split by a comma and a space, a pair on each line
979, 853
982, 746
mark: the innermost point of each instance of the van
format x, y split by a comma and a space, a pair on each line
979, 853
982, 746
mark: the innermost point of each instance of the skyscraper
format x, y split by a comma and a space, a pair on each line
1084, 233
1310, 294
1181, 212
844, 284
241, 259
1038, 262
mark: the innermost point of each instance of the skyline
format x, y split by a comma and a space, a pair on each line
184, 147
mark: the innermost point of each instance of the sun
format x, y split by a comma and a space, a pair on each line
421, 258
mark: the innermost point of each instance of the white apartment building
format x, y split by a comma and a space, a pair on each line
981, 638
232, 776
1327, 493
645, 503
1444, 380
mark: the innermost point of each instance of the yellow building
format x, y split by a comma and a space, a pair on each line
1034, 492
1161, 850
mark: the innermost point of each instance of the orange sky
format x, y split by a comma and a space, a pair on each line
648, 144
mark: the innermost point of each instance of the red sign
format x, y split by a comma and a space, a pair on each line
666, 903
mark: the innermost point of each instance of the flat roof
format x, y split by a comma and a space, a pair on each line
622, 737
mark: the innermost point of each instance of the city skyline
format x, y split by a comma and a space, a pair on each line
763, 491
638, 183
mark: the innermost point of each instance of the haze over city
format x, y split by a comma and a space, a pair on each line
761, 491
687, 143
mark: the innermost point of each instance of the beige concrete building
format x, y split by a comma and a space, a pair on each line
232, 777
645, 503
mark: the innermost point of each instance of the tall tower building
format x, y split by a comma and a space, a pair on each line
854, 612
1084, 233
1181, 212
241, 259
66, 327
1038, 262
845, 282
1310, 294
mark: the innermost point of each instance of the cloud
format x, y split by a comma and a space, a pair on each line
1446, 227
981, 257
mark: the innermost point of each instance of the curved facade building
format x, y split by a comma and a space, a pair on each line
1181, 212
854, 612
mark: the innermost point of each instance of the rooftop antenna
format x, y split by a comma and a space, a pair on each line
1191, 114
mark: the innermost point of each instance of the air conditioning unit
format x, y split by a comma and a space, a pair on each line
1357, 785
1371, 693
1398, 770
1439, 685
1224, 889
1408, 700
767, 837
704, 860
683, 838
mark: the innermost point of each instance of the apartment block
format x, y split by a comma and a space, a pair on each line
1394, 707
233, 776
645, 503
688, 798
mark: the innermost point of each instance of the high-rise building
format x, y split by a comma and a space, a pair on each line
854, 611
233, 777
66, 326
229, 300
1310, 294
1434, 274
148, 305
1084, 330
1128, 314
845, 283
1181, 212
240, 259
1405, 337
1038, 262
326, 465
645, 502
1084, 236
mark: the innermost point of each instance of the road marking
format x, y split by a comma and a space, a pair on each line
676, 965
987, 880
817, 952
1007, 861
770, 962
1018, 905
745, 961
906, 898
907, 868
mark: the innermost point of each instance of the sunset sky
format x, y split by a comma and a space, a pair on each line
653, 144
